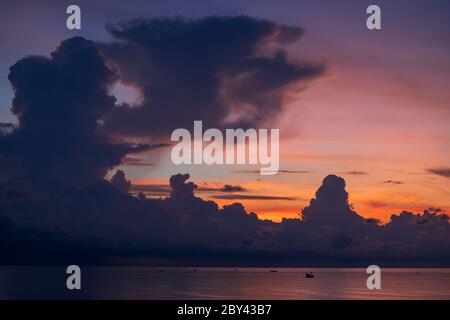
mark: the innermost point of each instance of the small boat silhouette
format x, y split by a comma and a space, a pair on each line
273, 270
309, 275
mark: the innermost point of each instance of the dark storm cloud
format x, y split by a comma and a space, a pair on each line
442, 171
119, 181
57, 102
215, 69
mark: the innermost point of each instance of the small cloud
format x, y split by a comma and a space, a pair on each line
435, 210
138, 149
151, 189
373, 221
378, 204
130, 161
355, 172
442, 171
164, 189
294, 171
157, 146
252, 197
230, 188
393, 182
278, 172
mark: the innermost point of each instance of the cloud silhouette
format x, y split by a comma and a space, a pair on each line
217, 69
152, 189
56, 207
280, 171
355, 172
393, 182
231, 188
162, 189
136, 162
331, 205
252, 197
57, 102
442, 171
119, 181
103, 221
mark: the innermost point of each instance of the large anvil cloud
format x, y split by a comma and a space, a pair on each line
226, 71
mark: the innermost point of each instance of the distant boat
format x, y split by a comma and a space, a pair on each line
273, 270
309, 275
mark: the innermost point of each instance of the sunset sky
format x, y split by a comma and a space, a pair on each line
378, 116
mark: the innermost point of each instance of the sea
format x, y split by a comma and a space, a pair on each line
25, 282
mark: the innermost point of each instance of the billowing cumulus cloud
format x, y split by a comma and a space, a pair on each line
103, 221
226, 71
331, 205
57, 102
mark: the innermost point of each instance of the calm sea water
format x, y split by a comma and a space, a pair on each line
222, 283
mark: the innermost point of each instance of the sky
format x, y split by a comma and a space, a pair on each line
376, 115
380, 113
